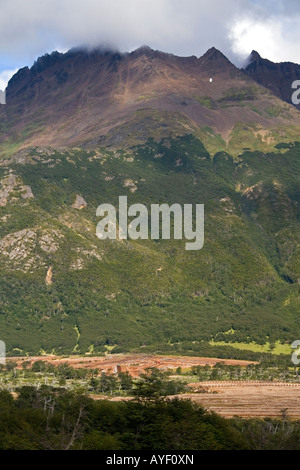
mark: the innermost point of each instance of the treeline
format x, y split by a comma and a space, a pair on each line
56, 419
49, 419
268, 371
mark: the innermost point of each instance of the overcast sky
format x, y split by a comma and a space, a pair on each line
30, 28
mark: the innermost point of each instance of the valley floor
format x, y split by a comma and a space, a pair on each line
246, 397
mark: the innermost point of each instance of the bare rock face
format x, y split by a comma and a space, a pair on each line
79, 203
18, 250
99, 98
278, 77
10, 185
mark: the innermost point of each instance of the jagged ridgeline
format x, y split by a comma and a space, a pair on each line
139, 125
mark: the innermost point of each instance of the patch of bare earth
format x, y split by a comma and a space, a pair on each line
249, 399
243, 399
135, 364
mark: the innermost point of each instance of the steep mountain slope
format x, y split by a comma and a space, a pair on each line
63, 289
278, 77
107, 98
83, 129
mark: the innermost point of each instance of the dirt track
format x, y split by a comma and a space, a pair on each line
135, 364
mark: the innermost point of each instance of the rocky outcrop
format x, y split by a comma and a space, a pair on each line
12, 188
278, 77
79, 203
19, 249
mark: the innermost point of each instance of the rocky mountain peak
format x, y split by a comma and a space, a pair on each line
254, 56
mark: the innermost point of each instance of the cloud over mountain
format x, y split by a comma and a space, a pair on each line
181, 27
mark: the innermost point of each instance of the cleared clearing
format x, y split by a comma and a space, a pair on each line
249, 399
244, 399
135, 364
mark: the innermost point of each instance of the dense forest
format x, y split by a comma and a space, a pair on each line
56, 419
242, 287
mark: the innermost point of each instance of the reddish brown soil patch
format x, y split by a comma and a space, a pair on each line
135, 364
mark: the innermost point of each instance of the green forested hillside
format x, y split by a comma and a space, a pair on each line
64, 290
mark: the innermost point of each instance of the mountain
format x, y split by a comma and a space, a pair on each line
2, 97
278, 77
102, 97
81, 129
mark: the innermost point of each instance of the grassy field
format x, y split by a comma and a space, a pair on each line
275, 349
